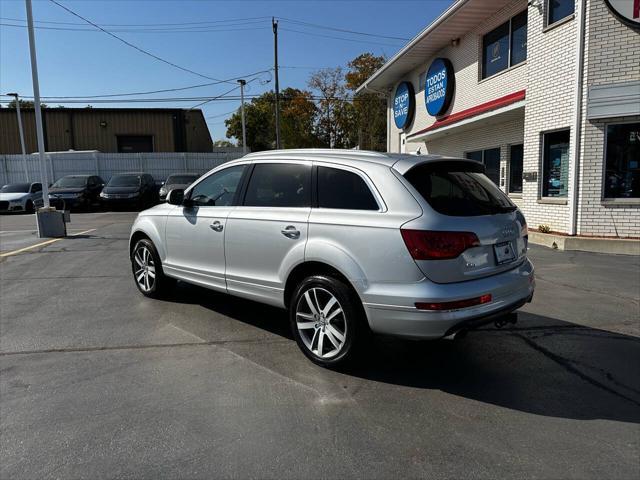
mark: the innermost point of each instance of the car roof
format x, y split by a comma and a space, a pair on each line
402, 162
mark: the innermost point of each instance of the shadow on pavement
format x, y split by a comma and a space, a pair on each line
543, 366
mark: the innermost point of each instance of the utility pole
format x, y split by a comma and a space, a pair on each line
242, 83
275, 57
21, 132
36, 102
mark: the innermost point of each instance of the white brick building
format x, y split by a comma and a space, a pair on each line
547, 95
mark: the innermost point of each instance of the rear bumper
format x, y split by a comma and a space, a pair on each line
391, 309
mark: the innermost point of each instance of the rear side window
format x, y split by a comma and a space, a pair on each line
279, 185
343, 189
458, 189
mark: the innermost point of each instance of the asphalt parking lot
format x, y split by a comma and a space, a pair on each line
97, 381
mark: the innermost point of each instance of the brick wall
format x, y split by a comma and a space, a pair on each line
612, 56
470, 90
550, 86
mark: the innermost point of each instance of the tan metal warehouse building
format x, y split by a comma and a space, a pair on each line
124, 130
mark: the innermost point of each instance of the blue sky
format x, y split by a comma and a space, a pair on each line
81, 63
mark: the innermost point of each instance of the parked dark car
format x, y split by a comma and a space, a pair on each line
76, 192
177, 181
130, 190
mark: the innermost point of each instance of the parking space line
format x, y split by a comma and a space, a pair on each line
42, 244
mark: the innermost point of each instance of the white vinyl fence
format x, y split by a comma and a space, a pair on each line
159, 165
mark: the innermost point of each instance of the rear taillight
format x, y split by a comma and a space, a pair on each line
434, 245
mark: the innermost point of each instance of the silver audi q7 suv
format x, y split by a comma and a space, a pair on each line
350, 242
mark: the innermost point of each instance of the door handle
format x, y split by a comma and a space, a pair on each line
290, 232
216, 226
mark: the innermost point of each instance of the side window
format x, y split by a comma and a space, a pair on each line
343, 189
218, 190
279, 185
36, 187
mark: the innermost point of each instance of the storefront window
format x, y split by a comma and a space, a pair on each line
505, 46
559, 9
555, 164
515, 169
496, 50
491, 160
622, 159
519, 38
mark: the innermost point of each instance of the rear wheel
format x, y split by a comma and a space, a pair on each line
326, 320
147, 270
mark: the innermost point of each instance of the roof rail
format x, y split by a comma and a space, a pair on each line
320, 151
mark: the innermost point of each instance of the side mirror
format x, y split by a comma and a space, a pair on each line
175, 196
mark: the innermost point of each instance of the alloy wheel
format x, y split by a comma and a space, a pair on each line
145, 270
321, 322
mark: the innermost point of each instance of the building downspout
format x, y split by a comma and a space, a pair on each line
576, 129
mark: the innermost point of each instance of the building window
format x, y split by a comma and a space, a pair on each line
491, 160
505, 46
519, 38
559, 9
555, 163
622, 161
515, 169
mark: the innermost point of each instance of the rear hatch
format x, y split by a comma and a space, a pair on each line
470, 229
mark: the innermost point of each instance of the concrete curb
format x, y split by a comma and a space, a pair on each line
618, 246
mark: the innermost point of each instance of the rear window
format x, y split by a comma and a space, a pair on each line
459, 189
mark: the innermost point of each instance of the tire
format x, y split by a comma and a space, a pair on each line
28, 207
327, 334
151, 282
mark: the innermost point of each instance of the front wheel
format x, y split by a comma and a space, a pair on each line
147, 270
326, 320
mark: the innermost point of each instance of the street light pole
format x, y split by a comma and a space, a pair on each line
21, 132
274, 24
36, 102
244, 127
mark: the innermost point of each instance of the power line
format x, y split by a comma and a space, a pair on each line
142, 24
219, 98
222, 114
165, 90
136, 47
159, 30
214, 98
335, 29
337, 38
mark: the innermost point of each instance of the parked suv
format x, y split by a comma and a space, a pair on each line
76, 191
348, 241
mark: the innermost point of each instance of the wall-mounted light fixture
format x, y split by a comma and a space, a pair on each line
537, 4
103, 123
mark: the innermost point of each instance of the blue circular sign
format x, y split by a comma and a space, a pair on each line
438, 87
404, 104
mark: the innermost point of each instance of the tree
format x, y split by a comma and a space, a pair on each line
223, 144
24, 104
370, 108
297, 119
334, 123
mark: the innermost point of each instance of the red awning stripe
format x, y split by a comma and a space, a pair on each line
473, 111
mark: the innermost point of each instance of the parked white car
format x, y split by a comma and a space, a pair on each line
21, 197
